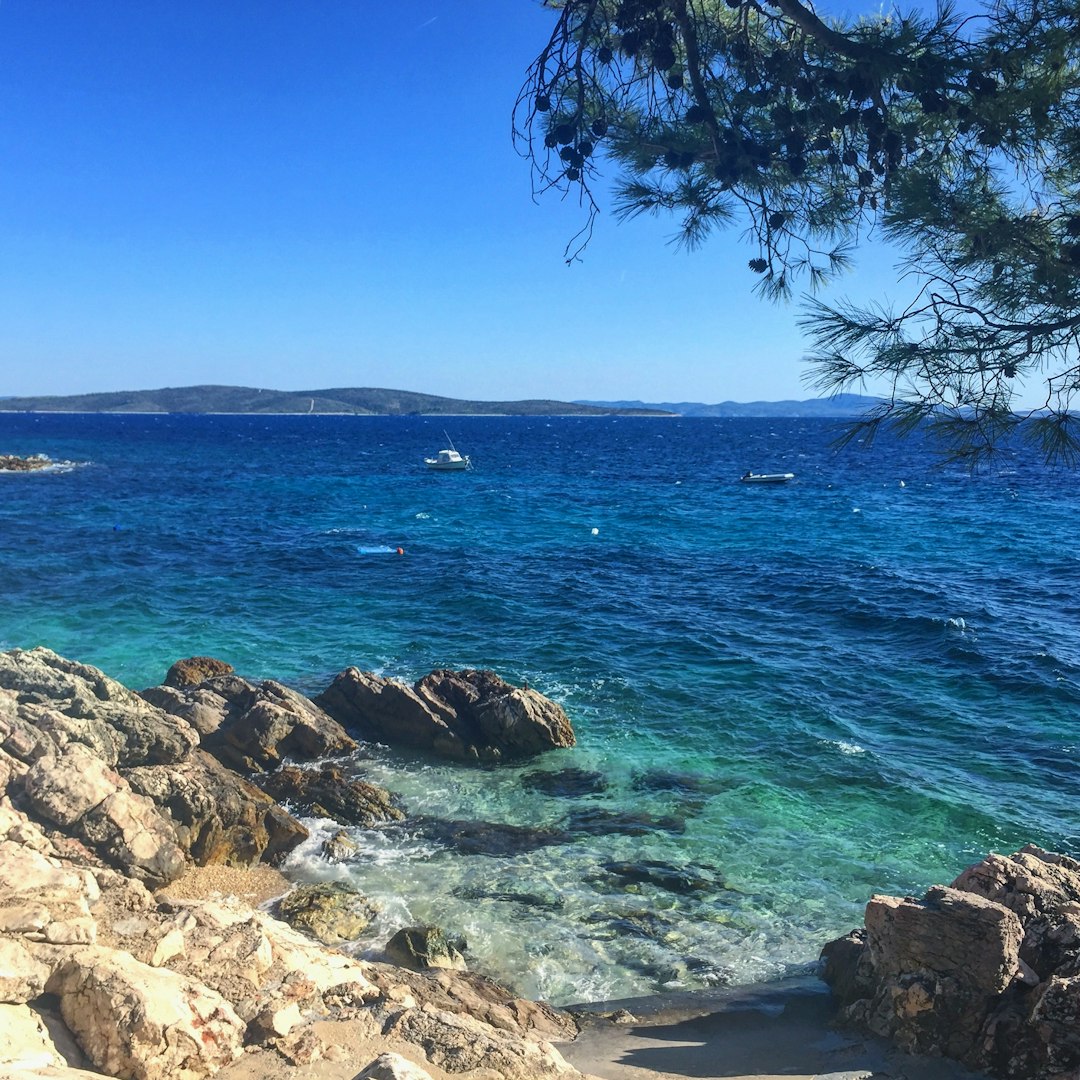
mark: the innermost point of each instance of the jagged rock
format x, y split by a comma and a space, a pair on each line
422, 947
141, 1022
253, 727
75, 703
328, 792
392, 1067
329, 911
22, 976
460, 1043
469, 993
984, 971
76, 789
194, 670
16, 463
220, 818
463, 715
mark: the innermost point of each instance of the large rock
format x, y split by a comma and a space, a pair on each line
986, 971
463, 715
220, 818
145, 1023
253, 727
194, 670
75, 703
126, 778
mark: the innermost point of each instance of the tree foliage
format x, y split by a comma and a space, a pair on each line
954, 135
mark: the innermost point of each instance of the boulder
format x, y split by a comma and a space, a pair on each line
136, 1021
75, 789
194, 670
252, 727
459, 1044
75, 703
328, 792
462, 715
986, 971
392, 1067
220, 818
422, 947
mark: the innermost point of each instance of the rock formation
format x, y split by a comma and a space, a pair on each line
105, 796
986, 971
462, 715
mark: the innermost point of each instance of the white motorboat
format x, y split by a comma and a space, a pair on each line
767, 478
448, 460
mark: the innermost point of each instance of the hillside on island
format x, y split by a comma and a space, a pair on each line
357, 401
368, 401
839, 405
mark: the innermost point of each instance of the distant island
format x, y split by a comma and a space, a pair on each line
840, 405
350, 401
368, 401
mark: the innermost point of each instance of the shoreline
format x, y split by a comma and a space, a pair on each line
768, 1031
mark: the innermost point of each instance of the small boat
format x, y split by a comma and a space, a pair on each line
767, 478
448, 460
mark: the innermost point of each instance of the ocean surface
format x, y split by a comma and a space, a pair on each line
786, 699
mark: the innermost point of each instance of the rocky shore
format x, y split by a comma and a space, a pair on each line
144, 932
14, 463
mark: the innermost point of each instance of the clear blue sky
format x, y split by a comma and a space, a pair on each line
324, 193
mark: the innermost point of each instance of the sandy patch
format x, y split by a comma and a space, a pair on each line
254, 885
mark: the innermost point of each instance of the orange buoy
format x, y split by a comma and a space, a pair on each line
401, 551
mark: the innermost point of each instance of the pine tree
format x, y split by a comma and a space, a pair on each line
955, 135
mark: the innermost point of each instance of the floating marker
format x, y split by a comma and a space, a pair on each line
596, 532
401, 551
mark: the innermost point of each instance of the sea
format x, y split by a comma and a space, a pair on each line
786, 698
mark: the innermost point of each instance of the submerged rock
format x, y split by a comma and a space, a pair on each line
462, 715
488, 837
663, 875
597, 821
566, 783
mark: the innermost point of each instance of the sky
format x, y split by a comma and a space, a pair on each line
305, 194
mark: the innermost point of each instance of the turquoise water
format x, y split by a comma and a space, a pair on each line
795, 697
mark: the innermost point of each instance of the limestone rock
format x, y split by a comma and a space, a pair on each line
328, 792
25, 1044
392, 1067
459, 1044
141, 1022
22, 976
986, 971
194, 670
463, 715
74, 702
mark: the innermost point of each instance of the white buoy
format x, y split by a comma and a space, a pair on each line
596, 532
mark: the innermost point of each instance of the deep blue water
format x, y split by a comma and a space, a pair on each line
858, 682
